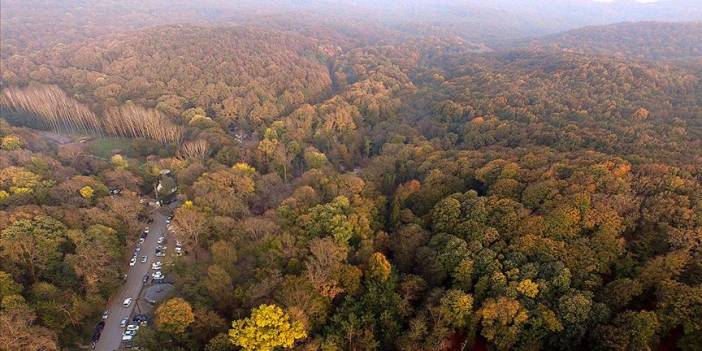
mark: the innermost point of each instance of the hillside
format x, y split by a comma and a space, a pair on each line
231, 72
634, 40
350, 183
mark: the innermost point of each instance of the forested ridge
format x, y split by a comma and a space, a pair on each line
350, 188
635, 40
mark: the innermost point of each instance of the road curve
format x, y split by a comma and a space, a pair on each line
111, 337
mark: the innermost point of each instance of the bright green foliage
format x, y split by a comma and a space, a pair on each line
267, 328
328, 219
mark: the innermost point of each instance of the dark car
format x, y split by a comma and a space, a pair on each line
145, 279
140, 319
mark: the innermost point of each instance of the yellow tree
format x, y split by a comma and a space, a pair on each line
87, 192
174, 315
267, 328
119, 162
378, 267
11, 142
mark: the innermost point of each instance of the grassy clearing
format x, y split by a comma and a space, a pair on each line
105, 147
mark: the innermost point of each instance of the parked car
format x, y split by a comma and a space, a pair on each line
145, 279
161, 240
141, 240
132, 261
133, 327
123, 322
179, 251
157, 275
140, 319
156, 265
105, 314
128, 335
127, 302
144, 259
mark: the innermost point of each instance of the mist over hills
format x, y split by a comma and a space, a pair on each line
634, 40
351, 175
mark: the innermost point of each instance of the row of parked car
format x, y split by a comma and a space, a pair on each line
130, 330
157, 276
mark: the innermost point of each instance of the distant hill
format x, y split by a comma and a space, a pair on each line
232, 72
634, 40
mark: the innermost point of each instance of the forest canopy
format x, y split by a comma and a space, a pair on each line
353, 182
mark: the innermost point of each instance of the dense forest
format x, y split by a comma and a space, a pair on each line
635, 40
345, 186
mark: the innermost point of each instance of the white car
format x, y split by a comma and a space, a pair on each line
160, 240
156, 265
123, 322
179, 251
105, 314
168, 221
132, 261
133, 327
128, 335
127, 302
144, 259
141, 240
157, 275
178, 243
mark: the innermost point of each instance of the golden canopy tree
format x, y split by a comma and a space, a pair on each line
267, 328
174, 316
